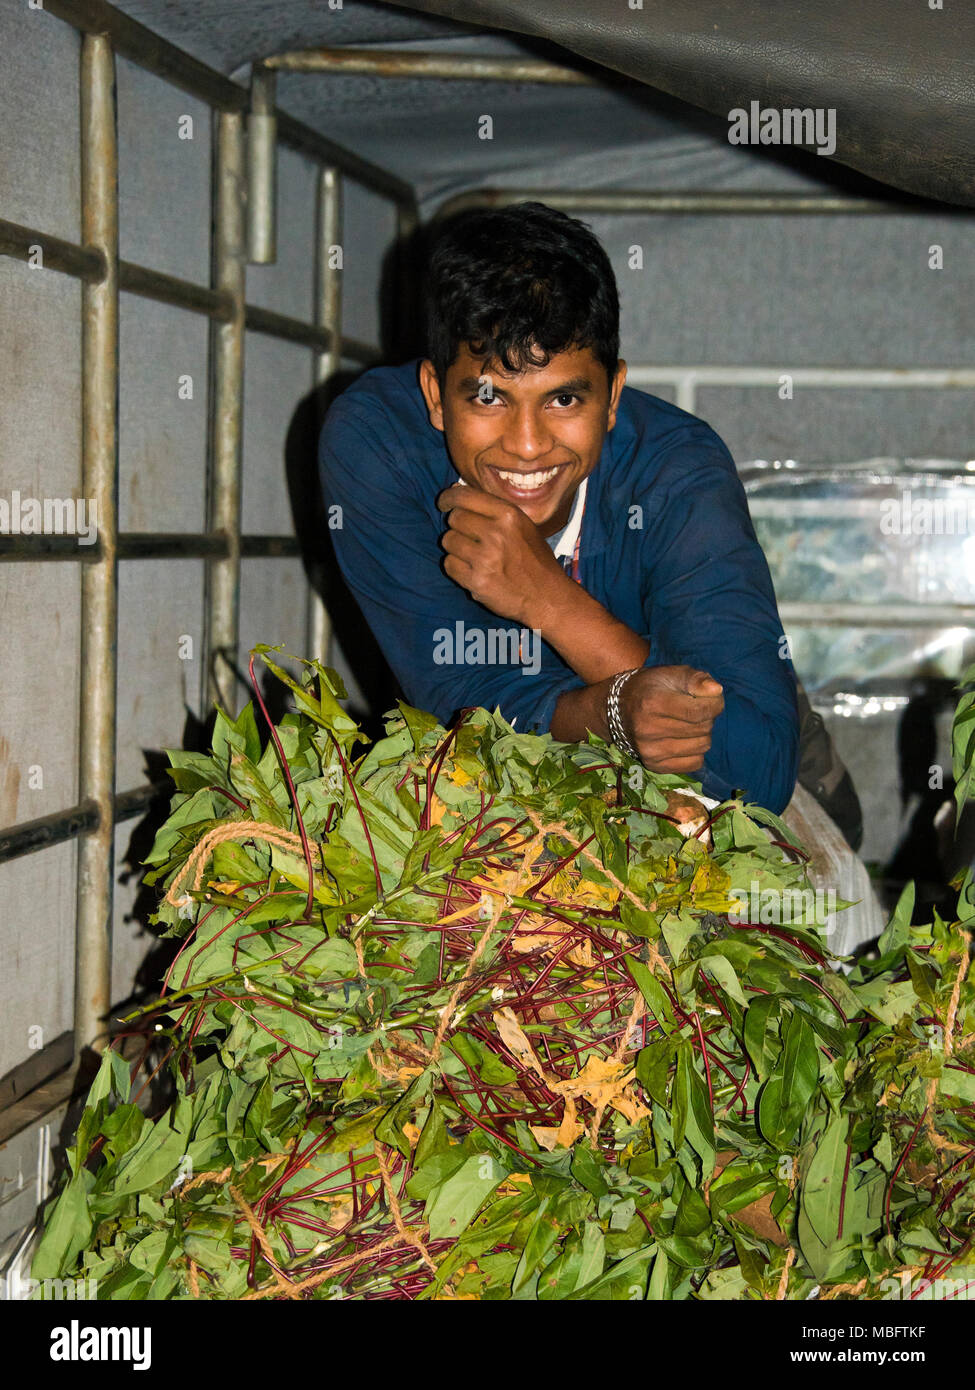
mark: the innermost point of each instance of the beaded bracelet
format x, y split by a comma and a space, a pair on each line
613, 714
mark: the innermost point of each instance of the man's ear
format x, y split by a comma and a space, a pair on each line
430, 387
614, 396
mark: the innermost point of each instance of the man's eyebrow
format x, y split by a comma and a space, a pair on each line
577, 385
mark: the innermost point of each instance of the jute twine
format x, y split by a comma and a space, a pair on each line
195, 865
409, 1235
313, 1280
790, 1260
938, 1140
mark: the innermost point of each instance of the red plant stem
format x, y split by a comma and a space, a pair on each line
230, 797
807, 951
440, 755
846, 1174
487, 1129
365, 824
704, 1054
291, 787
815, 983
900, 1164
954, 1191
190, 936
791, 849
559, 866
742, 1084
714, 994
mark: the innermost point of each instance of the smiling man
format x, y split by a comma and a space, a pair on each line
511, 474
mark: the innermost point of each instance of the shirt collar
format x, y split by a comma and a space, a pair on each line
567, 541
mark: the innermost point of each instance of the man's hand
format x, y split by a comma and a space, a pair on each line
668, 712
496, 553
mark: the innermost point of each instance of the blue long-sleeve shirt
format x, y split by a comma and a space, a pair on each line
667, 546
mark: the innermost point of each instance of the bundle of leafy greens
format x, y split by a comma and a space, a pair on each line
472, 1015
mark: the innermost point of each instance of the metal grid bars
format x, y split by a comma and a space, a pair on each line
106, 34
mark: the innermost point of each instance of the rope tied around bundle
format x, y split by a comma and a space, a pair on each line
195, 866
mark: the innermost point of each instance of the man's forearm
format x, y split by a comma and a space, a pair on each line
579, 712
586, 635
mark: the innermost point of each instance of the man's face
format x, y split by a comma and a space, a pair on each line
528, 437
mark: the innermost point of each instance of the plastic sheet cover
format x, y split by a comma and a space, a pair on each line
897, 536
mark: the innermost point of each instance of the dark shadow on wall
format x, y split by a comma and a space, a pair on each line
400, 341
929, 852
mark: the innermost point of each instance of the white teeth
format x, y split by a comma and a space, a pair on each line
529, 481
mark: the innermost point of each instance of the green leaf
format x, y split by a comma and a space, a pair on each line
624, 1282
762, 1033
678, 928
717, 965
788, 1091
955, 1082
692, 1115
154, 1158
653, 992
356, 1133
453, 1205
653, 1064
822, 1184
898, 930
66, 1233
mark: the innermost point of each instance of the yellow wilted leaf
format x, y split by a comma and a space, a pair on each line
629, 1107
271, 1162
512, 1185
341, 1210
412, 1132
599, 1082
516, 1041
546, 1135
459, 777
472, 909
563, 1135
225, 885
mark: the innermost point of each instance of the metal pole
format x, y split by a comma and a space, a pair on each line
227, 355
329, 254
896, 378
659, 203
99, 582
262, 151
465, 67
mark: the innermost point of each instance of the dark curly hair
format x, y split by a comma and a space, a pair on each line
519, 284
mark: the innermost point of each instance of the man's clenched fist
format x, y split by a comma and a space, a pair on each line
497, 554
668, 713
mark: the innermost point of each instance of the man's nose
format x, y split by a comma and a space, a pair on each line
526, 436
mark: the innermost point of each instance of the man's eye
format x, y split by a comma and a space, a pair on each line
566, 396
484, 400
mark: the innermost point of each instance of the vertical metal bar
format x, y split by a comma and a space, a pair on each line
262, 160
226, 403
687, 392
99, 581
328, 314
